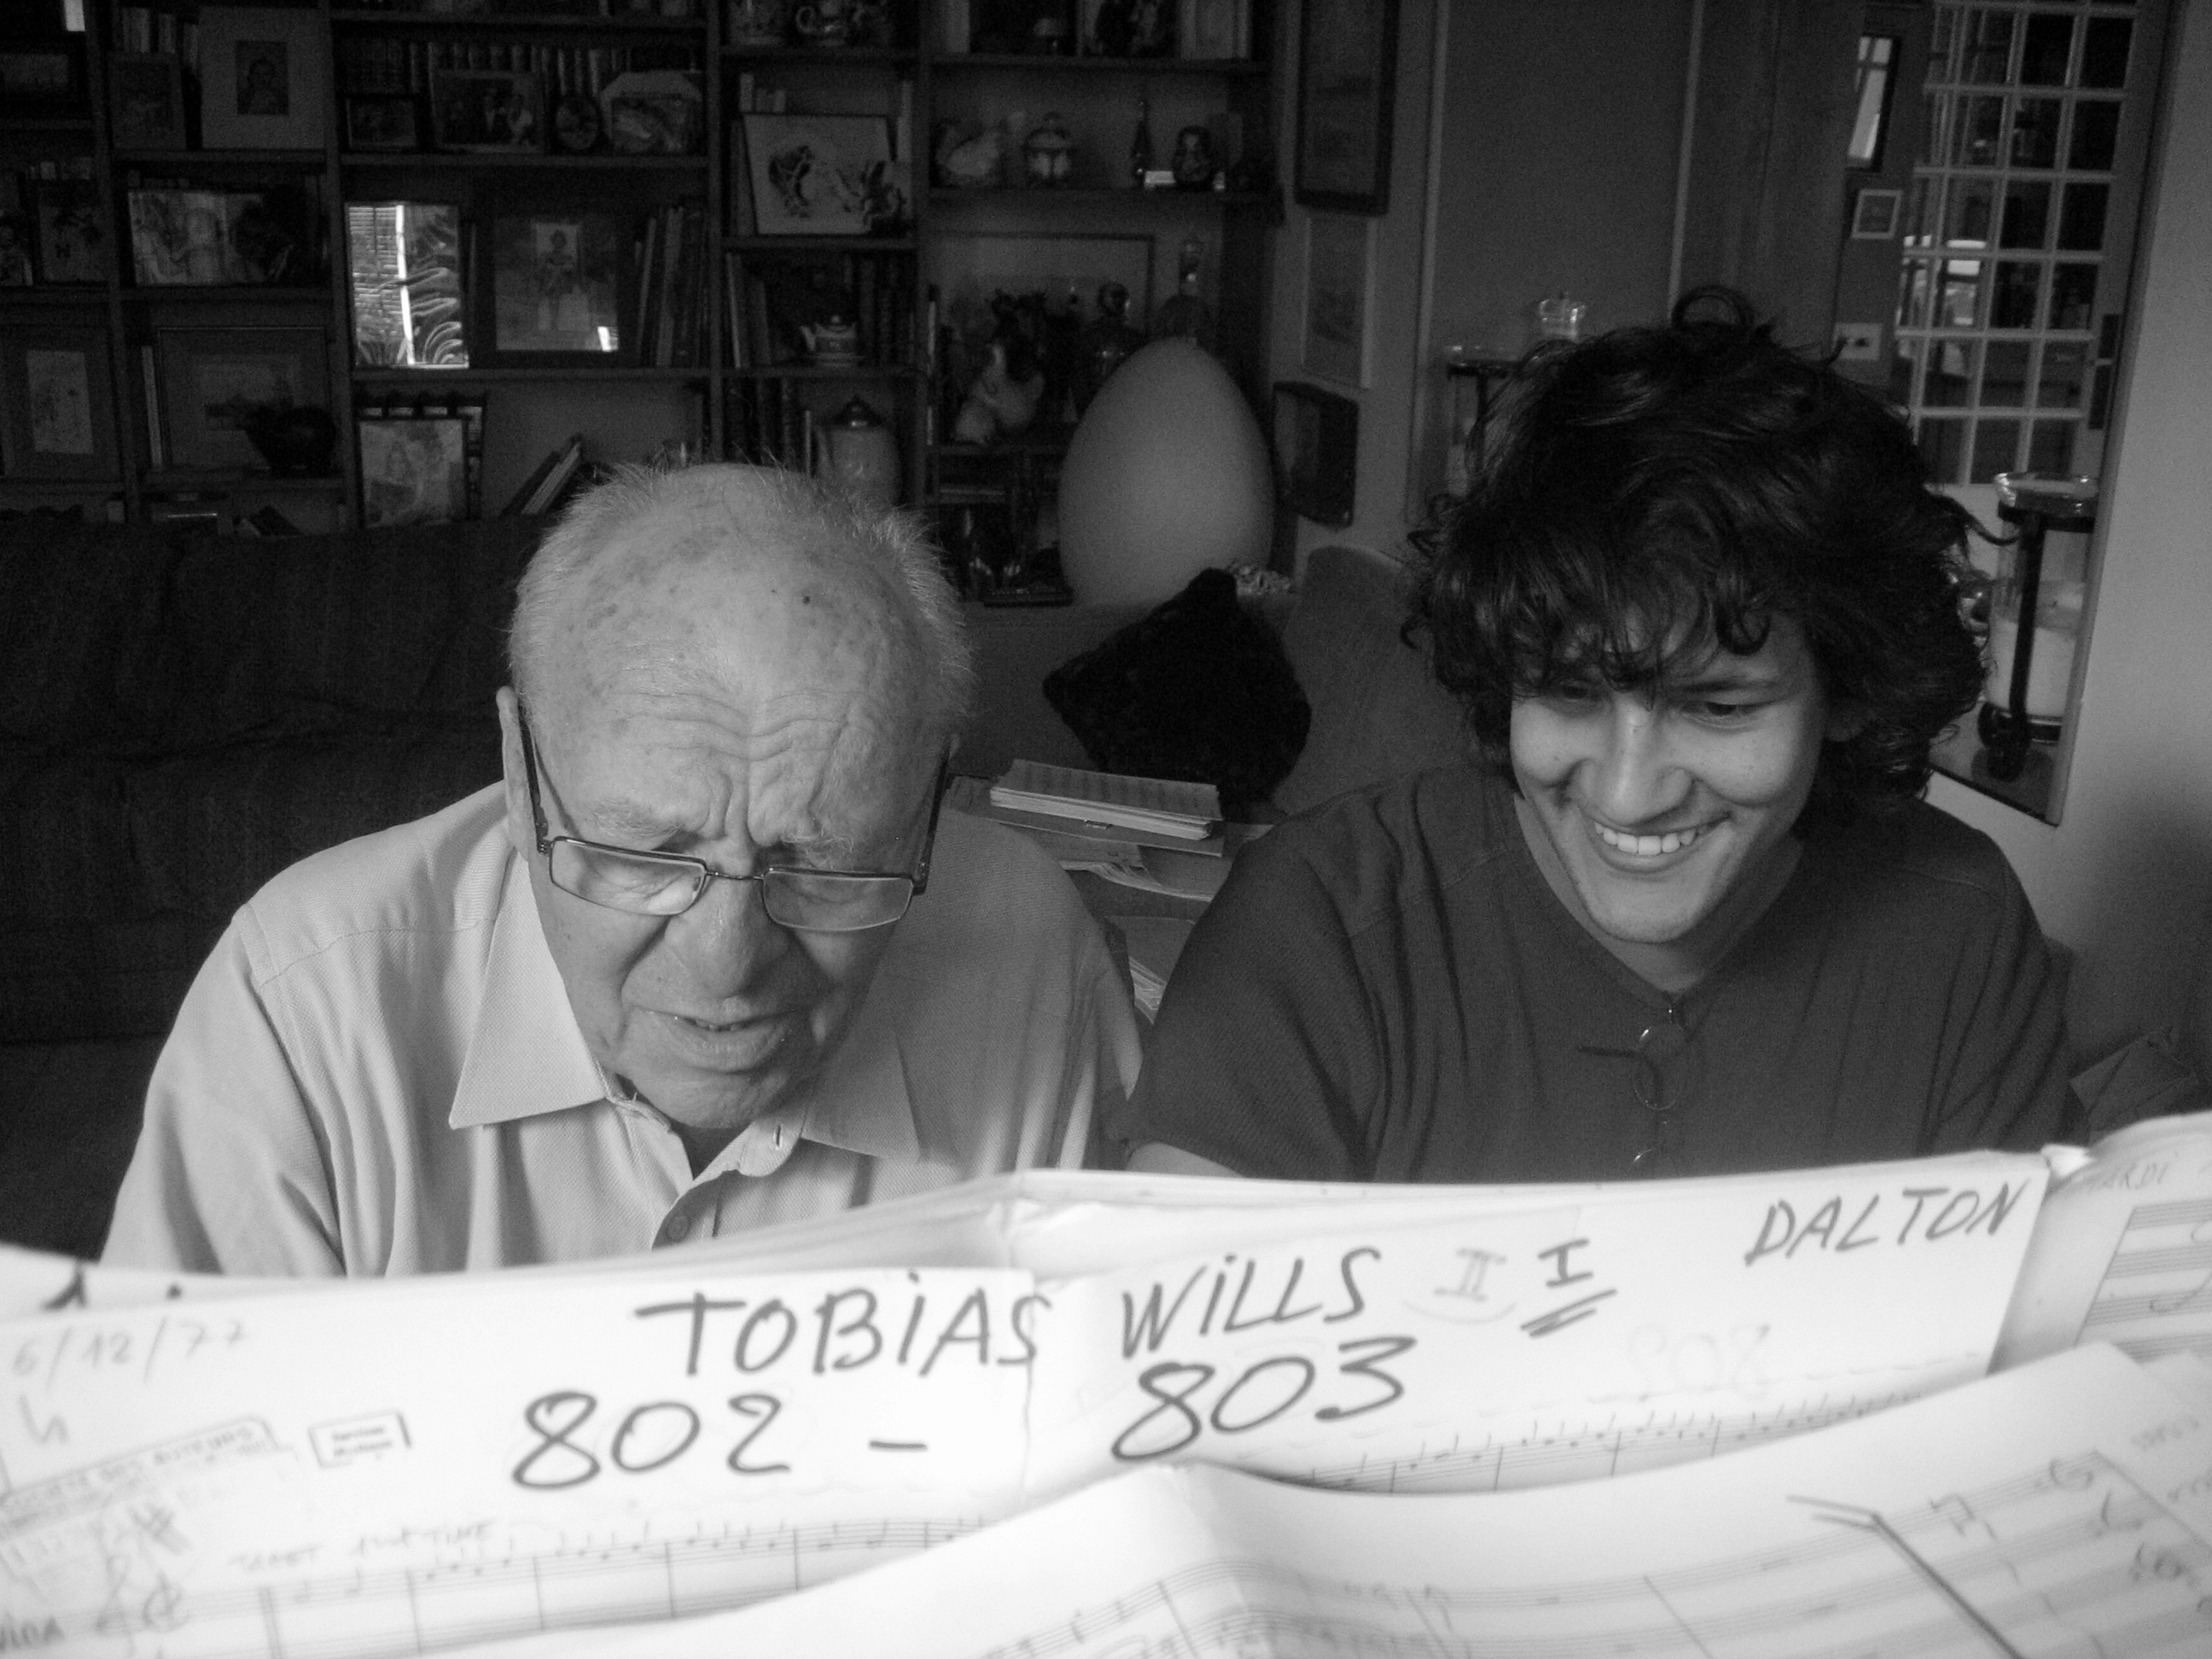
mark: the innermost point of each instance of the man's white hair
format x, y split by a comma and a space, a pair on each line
728, 512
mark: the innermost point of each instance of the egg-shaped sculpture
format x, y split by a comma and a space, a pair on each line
1167, 474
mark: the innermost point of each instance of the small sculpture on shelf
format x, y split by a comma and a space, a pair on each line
860, 454
1185, 313
1048, 155
1193, 159
969, 156
1004, 398
1106, 344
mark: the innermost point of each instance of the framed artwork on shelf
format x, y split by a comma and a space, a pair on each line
559, 279
42, 77
383, 121
215, 379
261, 78
487, 112
59, 405
414, 469
823, 175
1347, 56
968, 270
1340, 277
403, 274
1316, 451
177, 237
654, 113
1874, 215
146, 99
72, 231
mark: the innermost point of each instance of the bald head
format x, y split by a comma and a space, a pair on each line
749, 582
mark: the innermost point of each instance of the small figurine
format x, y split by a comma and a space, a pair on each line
1107, 345
1185, 312
1193, 159
1004, 398
1049, 154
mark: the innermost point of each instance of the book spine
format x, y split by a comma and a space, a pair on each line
156, 453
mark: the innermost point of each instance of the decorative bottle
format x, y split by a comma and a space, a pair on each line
1185, 313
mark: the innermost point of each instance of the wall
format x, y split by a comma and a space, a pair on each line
2126, 879
1394, 303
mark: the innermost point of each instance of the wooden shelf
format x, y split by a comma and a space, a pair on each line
440, 160
46, 124
819, 244
494, 20
56, 294
944, 61
223, 158
12, 486
189, 480
817, 372
226, 293
823, 56
1117, 196
429, 379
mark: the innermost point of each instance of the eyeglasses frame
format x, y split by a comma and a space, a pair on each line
918, 878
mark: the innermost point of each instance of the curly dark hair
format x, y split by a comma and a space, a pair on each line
1655, 491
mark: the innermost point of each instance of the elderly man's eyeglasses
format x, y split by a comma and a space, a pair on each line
669, 884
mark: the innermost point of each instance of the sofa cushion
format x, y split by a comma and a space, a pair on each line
77, 605
1378, 713
312, 635
63, 840
210, 828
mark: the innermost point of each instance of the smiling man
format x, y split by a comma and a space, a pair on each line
1685, 913
711, 956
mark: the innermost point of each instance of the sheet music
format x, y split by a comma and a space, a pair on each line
439, 1461
2055, 1510
2122, 1251
380, 1468
1627, 1328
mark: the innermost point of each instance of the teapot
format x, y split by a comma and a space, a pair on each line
832, 344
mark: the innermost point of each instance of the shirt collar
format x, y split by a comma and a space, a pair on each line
526, 1056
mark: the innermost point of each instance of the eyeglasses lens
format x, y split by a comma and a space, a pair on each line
645, 885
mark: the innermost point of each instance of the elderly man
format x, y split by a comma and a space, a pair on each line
709, 957
1687, 916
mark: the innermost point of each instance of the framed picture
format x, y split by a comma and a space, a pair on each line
261, 78
1316, 451
72, 231
823, 175
1340, 277
968, 270
557, 284
488, 111
40, 77
214, 378
383, 121
146, 100
654, 113
1347, 57
414, 469
177, 237
1873, 216
59, 415
403, 272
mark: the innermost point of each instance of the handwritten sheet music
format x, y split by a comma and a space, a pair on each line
2122, 1250
383, 1469
2049, 1510
443, 1461
1629, 1328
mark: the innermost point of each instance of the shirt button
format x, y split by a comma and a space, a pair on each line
677, 1226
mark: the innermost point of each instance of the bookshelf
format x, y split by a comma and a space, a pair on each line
905, 68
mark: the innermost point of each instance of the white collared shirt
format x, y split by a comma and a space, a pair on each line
378, 1071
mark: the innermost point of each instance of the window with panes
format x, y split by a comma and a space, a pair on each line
2012, 249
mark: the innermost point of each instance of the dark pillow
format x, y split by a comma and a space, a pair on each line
1199, 691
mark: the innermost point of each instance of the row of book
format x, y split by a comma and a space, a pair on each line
859, 308
672, 287
766, 421
157, 29
388, 64
671, 9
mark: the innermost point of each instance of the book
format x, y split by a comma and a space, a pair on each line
1183, 812
538, 488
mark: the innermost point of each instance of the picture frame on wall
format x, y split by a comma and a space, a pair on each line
262, 76
1347, 58
72, 231
414, 469
1874, 215
823, 175
214, 378
1338, 314
56, 404
1316, 451
559, 283
383, 121
487, 112
146, 99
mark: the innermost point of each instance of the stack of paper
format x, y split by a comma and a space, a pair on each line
1159, 806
